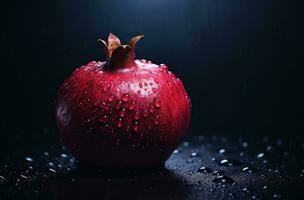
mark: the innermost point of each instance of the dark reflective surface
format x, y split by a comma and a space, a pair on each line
254, 168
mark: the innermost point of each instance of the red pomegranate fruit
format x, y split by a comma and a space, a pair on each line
122, 113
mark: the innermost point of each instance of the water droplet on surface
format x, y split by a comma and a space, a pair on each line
276, 196
63, 155
106, 87
249, 169
52, 170
244, 144
245, 189
265, 187
194, 154
29, 159
176, 151
204, 170
226, 180
217, 173
229, 162
157, 102
122, 113
260, 155
222, 151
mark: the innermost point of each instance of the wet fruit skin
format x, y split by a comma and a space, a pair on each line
130, 116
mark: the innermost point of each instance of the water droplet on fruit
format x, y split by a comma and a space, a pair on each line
164, 67
107, 87
136, 115
223, 180
151, 109
111, 98
99, 83
140, 85
143, 61
103, 119
136, 127
145, 113
204, 170
118, 105
125, 97
157, 102
122, 113
119, 123
169, 83
132, 105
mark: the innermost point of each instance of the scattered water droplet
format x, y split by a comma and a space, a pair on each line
276, 196
244, 144
63, 155
260, 155
245, 189
226, 180
230, 162
125, 97
176, 151
151, 109
204, 170
52, 170
29, 159
249, 169
194, 154
222, 151
265, 187
217, 173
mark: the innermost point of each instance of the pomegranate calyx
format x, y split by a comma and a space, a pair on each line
118, 55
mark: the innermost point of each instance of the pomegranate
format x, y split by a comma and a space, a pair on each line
122, 113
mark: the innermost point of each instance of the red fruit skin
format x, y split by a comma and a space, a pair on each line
126, 118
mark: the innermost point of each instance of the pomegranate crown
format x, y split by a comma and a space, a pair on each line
119, 55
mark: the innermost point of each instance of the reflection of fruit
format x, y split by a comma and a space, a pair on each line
122, 112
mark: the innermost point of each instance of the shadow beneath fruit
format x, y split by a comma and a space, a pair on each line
135, 184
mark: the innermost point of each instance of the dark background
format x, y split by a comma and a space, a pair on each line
237, 59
